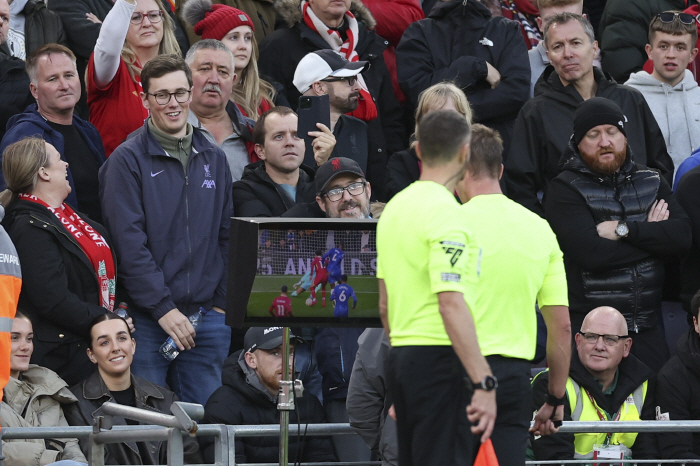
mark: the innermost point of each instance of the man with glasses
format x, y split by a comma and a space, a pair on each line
616, 223
166, 199
325, 72
606, 383
670, 89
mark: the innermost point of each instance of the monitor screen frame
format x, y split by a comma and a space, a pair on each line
243, 265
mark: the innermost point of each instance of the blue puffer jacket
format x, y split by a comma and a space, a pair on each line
31, 123
170, 229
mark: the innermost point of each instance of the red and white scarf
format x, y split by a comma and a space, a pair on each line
366, 110
93, 245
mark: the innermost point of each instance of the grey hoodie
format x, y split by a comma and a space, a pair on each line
676, 109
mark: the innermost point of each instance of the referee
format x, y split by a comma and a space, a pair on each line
424, 259
520, 264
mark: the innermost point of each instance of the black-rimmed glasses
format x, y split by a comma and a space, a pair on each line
609, 340
162, 97
355, 189
670, 16
350, 79
154, 16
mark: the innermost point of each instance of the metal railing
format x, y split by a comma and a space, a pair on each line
172, 428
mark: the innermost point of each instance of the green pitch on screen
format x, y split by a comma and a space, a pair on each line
267, 287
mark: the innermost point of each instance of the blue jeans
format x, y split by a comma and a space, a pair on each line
195, 373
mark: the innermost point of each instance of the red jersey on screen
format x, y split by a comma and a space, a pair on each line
281, 307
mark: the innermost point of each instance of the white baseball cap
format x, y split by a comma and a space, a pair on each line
323, 64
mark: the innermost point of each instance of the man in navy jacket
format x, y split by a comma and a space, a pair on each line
166, 199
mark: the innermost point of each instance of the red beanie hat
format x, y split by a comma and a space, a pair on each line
220, 20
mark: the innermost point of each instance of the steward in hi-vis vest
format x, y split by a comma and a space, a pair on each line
605, 383
10, 285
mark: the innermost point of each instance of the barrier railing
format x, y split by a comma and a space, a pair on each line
173, 428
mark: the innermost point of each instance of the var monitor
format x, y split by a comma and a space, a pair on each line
303, 272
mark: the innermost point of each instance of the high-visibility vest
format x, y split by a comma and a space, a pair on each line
10, 286
584, 408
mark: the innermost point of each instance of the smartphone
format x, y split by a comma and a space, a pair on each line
312, 109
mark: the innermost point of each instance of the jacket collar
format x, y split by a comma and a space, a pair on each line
461, 7
94, 388
571, 160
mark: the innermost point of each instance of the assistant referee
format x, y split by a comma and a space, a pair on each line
424, 259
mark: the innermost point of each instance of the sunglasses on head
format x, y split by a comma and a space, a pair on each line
669, 17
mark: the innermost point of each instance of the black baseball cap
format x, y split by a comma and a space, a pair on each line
266, 338
334, 167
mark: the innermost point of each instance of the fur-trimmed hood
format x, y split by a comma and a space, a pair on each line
290, 12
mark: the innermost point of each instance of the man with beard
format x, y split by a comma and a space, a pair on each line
213, 112
615, 222
326, 72
251, 382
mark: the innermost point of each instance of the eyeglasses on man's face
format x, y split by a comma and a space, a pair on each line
609, 340
163, 98
355, 189
350, 79
670, 16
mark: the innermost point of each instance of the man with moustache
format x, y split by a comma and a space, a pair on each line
55, 85
211, 109
615, 221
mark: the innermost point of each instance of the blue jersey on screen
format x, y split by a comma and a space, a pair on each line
341, 294
335, 257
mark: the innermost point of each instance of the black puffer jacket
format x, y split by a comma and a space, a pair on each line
545, 125
627, 274
678, 395
60, 291
242, 400
14, 83
631, 374
454, 43
402, 170
282, 50
41, 26
92, 393
256, 195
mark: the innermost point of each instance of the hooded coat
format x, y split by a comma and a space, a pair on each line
631, 374
35, 400
676, 109
282, 50
242, 400
256, 195
678, 397
627, 274
545, 125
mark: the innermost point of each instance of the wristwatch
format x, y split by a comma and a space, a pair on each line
487, 384
553, 401
622, 230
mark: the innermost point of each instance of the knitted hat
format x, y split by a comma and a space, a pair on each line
214, 21
595, 112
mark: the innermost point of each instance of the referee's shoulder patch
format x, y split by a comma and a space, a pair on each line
450, 277
453, 249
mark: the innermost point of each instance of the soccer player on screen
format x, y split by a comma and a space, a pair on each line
281, 306
340, 296
321, 278
304, 283
332, 259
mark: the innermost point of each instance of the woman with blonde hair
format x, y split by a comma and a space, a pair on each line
132, 33
404, 167
68, 267
253, 95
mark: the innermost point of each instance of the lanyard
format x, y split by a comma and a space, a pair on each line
608, 436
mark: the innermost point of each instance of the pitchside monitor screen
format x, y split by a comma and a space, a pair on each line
311, 258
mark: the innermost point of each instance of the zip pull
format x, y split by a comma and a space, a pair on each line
179, 144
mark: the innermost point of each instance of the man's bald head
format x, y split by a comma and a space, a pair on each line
603, 342
608, 315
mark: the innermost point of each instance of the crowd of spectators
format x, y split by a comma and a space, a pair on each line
133, 130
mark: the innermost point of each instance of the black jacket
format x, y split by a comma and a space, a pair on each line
402, 170
92, 393
453, 44
242, 400
627, 274
688, 195
256, 195
631, 374
14, 83
678, 396
41, 26
545, 125
60, 291
282, 50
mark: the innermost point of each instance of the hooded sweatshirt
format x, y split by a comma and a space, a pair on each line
676, 109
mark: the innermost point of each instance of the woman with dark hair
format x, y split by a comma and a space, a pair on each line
112, 350
34, 397
68, 268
